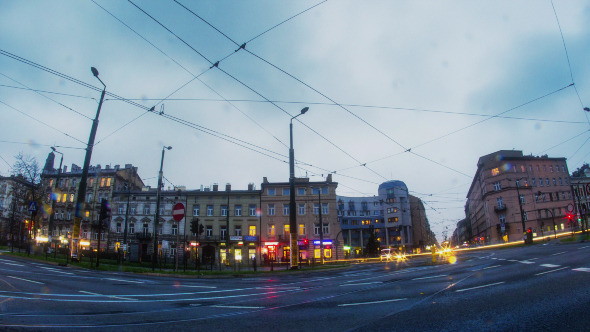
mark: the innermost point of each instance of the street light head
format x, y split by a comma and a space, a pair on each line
304, 110
94, 71
168, 147
54, 150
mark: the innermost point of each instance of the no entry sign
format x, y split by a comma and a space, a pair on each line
178, 211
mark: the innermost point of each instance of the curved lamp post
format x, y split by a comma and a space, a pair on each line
156, 220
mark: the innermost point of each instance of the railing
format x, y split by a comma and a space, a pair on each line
500, 208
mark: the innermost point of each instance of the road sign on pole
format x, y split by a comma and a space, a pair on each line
570, 207
178, 212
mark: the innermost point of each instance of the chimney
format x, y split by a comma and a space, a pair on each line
250, 186
215, 187
228, 187
329, 178
65, 169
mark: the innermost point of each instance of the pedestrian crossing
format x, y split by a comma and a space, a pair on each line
530, 261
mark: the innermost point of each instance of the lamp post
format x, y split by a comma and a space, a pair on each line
82, 187
294, 248
156, 220
52, 214
521, 211
126, 217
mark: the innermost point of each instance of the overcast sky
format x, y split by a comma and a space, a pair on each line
397, 90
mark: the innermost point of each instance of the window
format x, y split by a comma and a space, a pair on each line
108, 182
224, 210
71, 198
497, 186
524, 216
316, 208
102, 182
271, 192
252, 230
500, 202
69, 215
538, 168
540, 182
316, 229
132, 209
287, 230
324, 208
547, 181
534, 182
73, 182
560, 182
394, 219
209, 231
252, 209
209, 210
563, 168
324, 190
131, 228
315, 191
238, 210
90, 182
551, 169
146, 228
85, 234
522, 201
271, 209
544, 168
554, 182
271, 230
300, 191
326, 229
286, 192
196, 210
301, 210
495, 171
121, 208
301, 229
118, 229
530, 168
238, 230
522, 168
223, 232
502, 218
285, 209
88, 201
146, 209
174, 229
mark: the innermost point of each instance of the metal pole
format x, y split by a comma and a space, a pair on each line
227, 246
126, 218
292, 215
51, 216
321, 227
82, 187
156, 220
521, 212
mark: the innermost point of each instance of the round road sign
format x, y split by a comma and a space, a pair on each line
570, 207
178, 212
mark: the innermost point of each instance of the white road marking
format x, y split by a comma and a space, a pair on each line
235, 307
133, 281
583, 247
559, 253
532, 259
501, 259
372, 302
476, 287
23, 279
362, 283
10, 263
513, 260
110, 296
538, 274
526, 262
442, 275
550, 265
195, 286
55, 270
582, 269
491, 267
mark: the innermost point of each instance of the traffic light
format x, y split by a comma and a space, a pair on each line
105, 209
194, 225
201, 229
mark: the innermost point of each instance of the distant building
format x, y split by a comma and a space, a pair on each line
388, 215
275, 197
14, 213
505, 178
422, 235
581, 189
62, 187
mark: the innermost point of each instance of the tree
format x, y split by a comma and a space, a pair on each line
578, 173
372, 248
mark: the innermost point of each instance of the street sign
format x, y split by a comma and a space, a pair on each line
33, 206
570, 207
178, 211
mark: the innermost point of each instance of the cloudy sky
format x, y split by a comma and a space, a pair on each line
407, 90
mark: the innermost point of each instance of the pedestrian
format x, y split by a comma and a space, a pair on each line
254, 262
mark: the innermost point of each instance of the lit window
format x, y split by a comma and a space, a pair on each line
495, 171
102, 182
271, 230
252, 230
287, 229
301, 229
108, 182
71, 197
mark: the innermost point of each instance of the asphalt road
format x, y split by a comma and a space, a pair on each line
541, 287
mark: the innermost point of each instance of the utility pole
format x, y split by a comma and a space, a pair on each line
521, 212
52, 214
126, 218
156, 220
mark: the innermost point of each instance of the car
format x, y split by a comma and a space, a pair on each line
386, 254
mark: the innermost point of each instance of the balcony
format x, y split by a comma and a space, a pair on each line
500, 208
143, 236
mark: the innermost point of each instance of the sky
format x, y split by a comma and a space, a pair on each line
414, 91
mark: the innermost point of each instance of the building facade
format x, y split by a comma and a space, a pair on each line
15, 193
313, 199
510, 188
62, 186
581, 195
388, 215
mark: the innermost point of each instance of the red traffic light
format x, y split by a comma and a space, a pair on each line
529, 230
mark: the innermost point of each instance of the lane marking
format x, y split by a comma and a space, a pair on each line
133, 281
14, 264
55, 270
559, 253
235, 307
538, 274
526, 262
583, 247
362, 283
422, 278
476, 287
23, 279
582, 269
532, 259
109, 296
372, 302
491, 267
196, 286
513, 260
501, 259
550, 265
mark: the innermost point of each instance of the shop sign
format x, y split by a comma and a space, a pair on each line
235, 238
250, 238
317, 242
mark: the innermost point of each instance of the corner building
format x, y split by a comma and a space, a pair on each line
507, 180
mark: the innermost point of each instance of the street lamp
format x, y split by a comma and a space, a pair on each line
155, 255
547, 210
82, 187
292, 215
521, 211
51, 216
